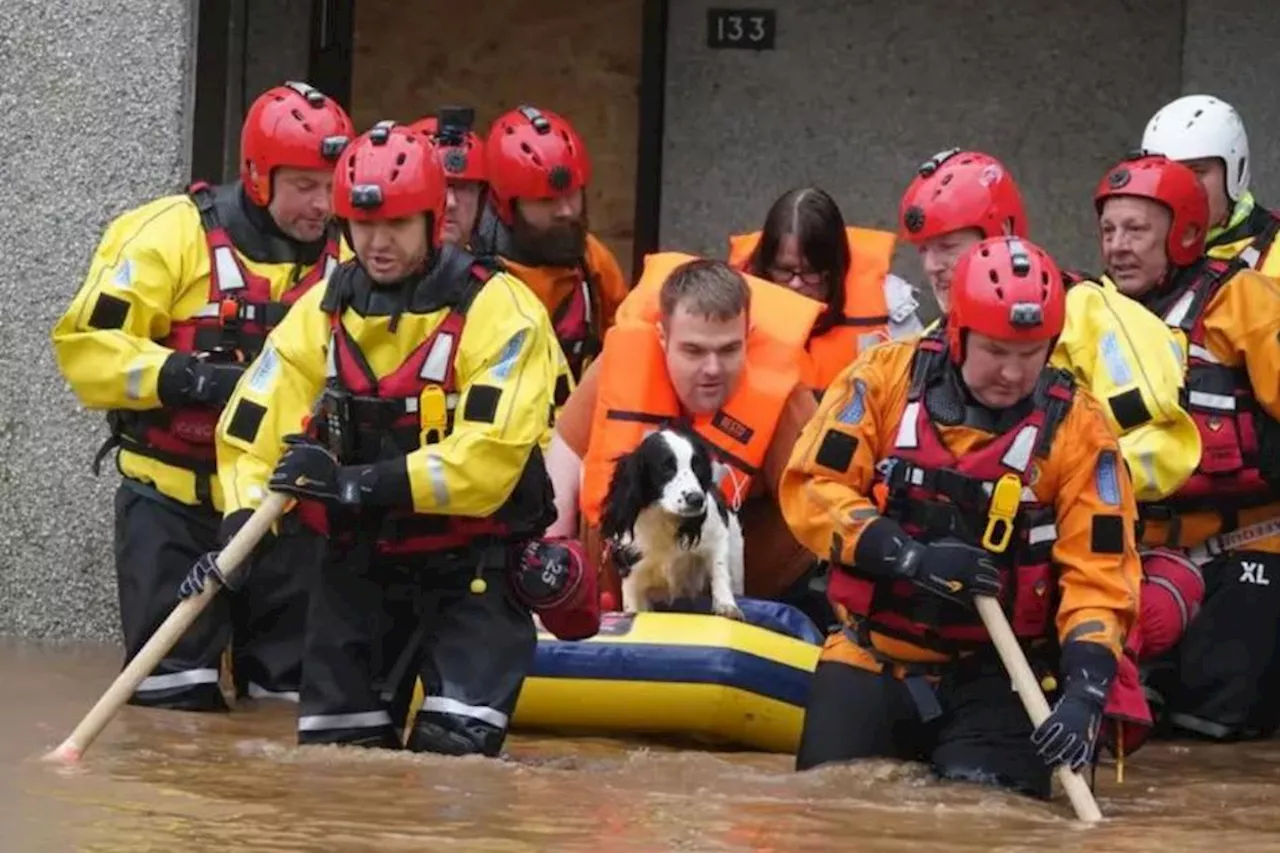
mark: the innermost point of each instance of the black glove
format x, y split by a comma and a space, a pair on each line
206, 567
307, 469
186, 379
1070, 733
948, 567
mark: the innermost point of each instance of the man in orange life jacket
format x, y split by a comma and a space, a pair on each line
806, 246
433, 374
1153, 214
696, 342
461, 155
957, 465
536, 222
180, 295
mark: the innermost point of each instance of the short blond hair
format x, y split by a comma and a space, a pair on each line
707, 288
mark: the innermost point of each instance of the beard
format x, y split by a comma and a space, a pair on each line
563, 244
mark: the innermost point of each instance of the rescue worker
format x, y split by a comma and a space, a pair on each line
1113, 346
1207, 135
461, 154
430, 377
180, 295
956, 465
700, 343
806, 246
1153, 214
956, 199
536, 222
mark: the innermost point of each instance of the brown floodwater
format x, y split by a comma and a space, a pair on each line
164, 780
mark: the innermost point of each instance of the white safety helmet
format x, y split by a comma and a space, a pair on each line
1197, 126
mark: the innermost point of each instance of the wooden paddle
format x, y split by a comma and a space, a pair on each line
169, 632
1024, 681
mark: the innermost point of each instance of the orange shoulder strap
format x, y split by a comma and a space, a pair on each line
741, 248
634, 397
776, 311
872, 253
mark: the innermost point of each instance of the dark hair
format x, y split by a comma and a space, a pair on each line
712, 288
815, 220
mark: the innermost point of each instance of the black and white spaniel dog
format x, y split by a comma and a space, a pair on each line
666, 519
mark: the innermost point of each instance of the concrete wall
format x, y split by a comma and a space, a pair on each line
581, 60
91, 127
1232, 50
858, 93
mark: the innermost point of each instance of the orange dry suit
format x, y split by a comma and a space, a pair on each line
581, 299
865, 314
1041, 485
636, 396
1230, 315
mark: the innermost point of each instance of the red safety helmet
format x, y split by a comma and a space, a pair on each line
390, 172
533, 153
459, 148
290, 125
1171, 184
961, 189
1006, 288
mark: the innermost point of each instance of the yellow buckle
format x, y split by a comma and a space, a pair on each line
433, 414
1006, 497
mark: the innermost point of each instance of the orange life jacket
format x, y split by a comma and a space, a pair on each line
1221, 401
636, 396
865, 320
233, 326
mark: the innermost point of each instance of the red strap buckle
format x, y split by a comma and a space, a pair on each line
228, 311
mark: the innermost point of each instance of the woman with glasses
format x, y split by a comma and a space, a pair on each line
806, 246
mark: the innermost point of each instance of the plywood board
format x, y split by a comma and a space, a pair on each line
580, 59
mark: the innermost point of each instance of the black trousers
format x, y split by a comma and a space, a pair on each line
983, 734
157, 540
1222, 680
376, 625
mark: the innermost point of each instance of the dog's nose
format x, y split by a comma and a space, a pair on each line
695, 500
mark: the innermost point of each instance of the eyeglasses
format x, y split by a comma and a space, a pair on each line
781, 275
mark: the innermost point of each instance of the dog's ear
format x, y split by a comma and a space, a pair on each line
628, 488
704, 461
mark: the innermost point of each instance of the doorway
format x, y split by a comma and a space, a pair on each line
582, 60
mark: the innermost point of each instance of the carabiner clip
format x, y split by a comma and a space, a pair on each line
1006, 497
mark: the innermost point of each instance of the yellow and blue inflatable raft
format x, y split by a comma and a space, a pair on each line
690, 675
